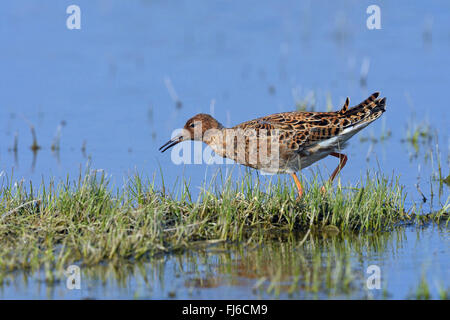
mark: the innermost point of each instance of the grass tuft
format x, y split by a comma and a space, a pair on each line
87, 221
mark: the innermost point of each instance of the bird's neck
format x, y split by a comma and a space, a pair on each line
215, 138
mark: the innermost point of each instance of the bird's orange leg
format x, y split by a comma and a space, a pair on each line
342, 162
299, 186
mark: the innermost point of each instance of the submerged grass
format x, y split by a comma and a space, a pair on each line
87, 221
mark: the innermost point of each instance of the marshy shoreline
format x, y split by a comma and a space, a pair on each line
88, 222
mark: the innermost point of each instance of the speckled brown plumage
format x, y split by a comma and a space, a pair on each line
302, 129
300, 133
300, 138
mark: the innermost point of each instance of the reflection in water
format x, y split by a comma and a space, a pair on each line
56, 144
104, 88
288, 266
33, 162
14, 149
35, 147
316, 266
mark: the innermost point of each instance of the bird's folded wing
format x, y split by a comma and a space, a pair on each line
300, 130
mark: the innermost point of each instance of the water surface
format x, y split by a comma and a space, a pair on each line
104, 88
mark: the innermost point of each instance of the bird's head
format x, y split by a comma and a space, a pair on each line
194, 129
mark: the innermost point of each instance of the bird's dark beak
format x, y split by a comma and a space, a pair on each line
169, 144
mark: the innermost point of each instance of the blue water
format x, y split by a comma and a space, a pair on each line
238, 60
218, 271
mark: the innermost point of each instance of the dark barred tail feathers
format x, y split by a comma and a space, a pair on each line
345, 107
367, 111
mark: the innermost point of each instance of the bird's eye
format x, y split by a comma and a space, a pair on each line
192, 125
